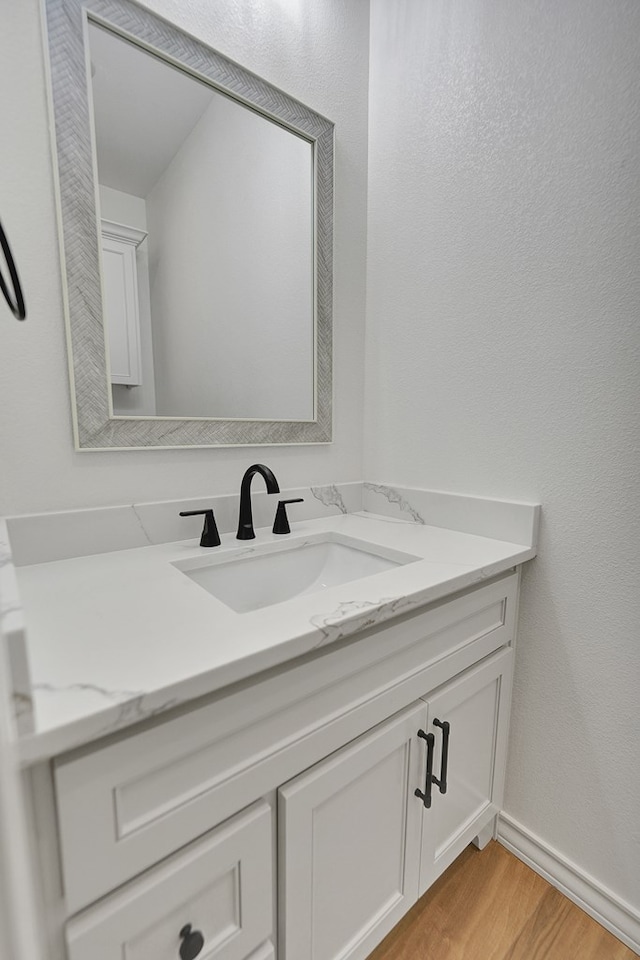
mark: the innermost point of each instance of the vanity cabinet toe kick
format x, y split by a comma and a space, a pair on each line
345, 782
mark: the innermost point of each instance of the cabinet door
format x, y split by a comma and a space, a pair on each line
213, 899
476, 708
349, 838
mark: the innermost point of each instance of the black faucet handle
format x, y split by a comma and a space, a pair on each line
210, 536
281, 522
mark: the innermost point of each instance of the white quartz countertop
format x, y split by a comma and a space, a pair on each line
118, 637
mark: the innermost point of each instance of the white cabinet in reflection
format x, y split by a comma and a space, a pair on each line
120, 293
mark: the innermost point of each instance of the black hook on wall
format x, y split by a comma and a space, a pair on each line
16, 304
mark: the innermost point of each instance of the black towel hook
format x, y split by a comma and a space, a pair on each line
15, 305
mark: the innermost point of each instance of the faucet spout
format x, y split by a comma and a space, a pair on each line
245, 520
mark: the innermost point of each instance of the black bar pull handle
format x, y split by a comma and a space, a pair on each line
426, 796
444, 761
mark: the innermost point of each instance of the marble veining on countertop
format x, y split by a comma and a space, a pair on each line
104, 630
118, 637
14, 670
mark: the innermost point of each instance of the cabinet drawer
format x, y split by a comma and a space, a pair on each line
221, 886
137, 800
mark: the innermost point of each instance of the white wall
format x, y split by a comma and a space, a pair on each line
317, 52
504, 356
230, 222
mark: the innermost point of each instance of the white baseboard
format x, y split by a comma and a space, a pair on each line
617, 916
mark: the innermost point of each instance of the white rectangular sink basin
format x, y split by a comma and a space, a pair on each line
278, 573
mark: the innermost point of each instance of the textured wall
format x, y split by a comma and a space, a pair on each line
503, 352
317, 52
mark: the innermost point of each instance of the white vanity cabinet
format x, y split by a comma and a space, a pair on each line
363, 834
349, 838
323, 758
471, 774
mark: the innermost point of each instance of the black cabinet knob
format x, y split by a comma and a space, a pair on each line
192, 943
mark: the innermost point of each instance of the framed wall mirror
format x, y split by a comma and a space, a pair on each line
196, 212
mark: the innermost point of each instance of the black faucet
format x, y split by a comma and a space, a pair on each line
245, 520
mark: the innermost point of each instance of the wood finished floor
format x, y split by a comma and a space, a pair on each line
490, 906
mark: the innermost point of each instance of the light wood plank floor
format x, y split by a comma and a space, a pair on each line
490, 906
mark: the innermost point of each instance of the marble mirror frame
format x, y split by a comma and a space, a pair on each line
95, 426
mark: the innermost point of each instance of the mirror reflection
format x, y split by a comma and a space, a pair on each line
207, 224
